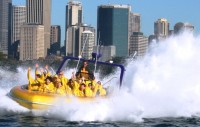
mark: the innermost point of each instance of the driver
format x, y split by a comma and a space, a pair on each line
85, 72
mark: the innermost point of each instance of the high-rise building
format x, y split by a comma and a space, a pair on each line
55, 39
5, 26
39, 12
18, 19
138, 44
134, 22
113, 27
180, 27
74, 39
32, 42
161, 28
87, 44
73, 13
73, 21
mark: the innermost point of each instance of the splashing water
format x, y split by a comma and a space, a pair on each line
164, 83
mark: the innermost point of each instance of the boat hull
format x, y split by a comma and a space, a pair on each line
38, 100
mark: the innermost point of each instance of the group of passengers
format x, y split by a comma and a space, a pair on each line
82, 84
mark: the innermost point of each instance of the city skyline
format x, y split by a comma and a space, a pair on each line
150, 11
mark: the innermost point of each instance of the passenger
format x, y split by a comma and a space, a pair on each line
55, 78
63, 79
34, 84
81, 92
101, 90
88, 90
46, 72
75, 89
85, 72
59, 88
48, 86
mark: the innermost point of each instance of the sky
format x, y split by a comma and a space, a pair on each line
150, 10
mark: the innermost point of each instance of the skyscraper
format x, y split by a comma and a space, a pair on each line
161, 28
18, 19
73, 21
180, 27
135, 22
113, 27
73, 13
55, 39
5, 26
31, 42
138, 44
87, 43
39, 12
74, 39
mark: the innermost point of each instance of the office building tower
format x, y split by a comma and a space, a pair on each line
74, 39
39, 12
55, 40
161, 28
180, 27
73, 21
138, 44
18, 19
5, 26
32, 42
87, 44
134, 22
73, 13
113, 27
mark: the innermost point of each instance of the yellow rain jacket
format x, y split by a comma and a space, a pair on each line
60, 90
64, 80
34, 84
88, 92
102, 91
68, 90
80, 93
75, 89
50, 88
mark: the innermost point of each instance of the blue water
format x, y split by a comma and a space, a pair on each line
28, 120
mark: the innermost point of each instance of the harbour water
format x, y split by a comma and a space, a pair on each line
160, 90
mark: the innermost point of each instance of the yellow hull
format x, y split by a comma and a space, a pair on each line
37, 100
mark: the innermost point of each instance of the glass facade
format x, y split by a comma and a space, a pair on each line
5, 26
112, 28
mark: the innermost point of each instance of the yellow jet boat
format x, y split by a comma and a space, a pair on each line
39, 100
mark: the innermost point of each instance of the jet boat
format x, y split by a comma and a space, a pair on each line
38, 100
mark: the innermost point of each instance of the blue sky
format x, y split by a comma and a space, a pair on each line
151, 10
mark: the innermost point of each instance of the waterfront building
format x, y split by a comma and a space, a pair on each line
72, 23
74, 39
180, 27
134, 22
32, 42
39, 12
138, 44
87, 43
5, 26
161, 28
113, 27
73, 13
18, 19
55, 39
